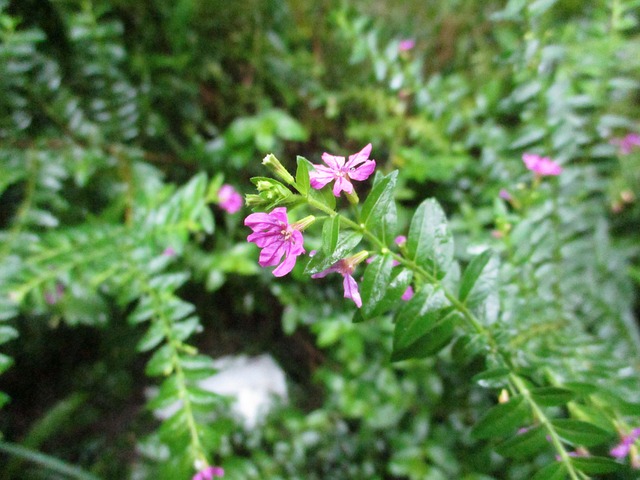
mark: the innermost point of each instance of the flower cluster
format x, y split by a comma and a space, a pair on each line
277, 238
541, 166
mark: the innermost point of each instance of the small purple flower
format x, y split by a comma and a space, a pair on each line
345, 267
400, 240
542, 166
622, 449
169, 252
627, 143
406, 45
408, 294
358, 167
229, 199
273, 234
504, 194
208, 473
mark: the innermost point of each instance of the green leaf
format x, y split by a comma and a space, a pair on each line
493, 378
197, 367
424, 325
5, 362
347, 241
378, 213
203, 397
161, 362
4, 398
152, 338
330, 232
591, 414
502, 419
523, 445
375, 283
553, 471
185, 328
430, 243
577, 432
596, 465
302, 175
552, 396
168, 394
472, 273
7, 333
382, 286
143, 311
323, 196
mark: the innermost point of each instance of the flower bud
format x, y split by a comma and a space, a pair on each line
301, 225
276, 167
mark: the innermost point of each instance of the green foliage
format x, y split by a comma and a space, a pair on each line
509, 353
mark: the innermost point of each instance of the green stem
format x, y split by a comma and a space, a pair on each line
544, 420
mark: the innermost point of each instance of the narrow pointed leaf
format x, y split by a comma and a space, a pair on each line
430, 243
375, 283
330, 231
596, 465
553, 471
424, 325
378, 213
578, 432
523, 445
302, 175
472, 273
502, 419
552, 396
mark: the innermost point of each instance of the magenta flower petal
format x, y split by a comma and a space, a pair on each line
406, 45
408, 294
345, 268
358, 167
277, 239
360, 157
320, 177
208, 473
364, 171
542, 166
342, 184
620, 451
351, 290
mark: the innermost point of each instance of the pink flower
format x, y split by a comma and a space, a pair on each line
504, 194
622, 449
408, 294
400, 240
169, 252
208, 473
358, 167
229, 199
627, 143
273, 234
344, 267
406, 45
542, 166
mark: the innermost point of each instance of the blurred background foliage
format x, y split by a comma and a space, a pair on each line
120, 120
